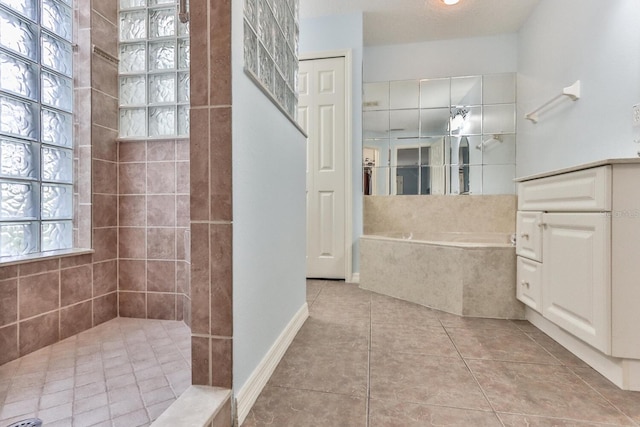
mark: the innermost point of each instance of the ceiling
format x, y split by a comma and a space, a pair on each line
409, 21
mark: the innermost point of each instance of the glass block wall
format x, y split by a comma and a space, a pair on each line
36, 126
154, 70
271, 34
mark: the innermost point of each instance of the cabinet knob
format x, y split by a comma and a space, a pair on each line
525, 284
524, 235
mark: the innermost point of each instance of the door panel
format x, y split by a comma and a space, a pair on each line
326, 141
576, 279
322, 107
327, 223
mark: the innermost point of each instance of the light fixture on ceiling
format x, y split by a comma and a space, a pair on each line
450, 2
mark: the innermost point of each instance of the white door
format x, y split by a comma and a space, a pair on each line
321, 113
576, 292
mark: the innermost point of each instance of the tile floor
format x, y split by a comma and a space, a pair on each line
363, 359
125, 372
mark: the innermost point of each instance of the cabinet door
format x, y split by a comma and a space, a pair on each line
529, 286
576, 290
529, 235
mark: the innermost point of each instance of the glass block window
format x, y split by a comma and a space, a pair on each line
36, 126
271, 34
154, 70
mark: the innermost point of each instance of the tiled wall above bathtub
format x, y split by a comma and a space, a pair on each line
426, 214
153, 224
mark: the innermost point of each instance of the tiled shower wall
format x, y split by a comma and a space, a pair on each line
45, 301
211, 193
153, 229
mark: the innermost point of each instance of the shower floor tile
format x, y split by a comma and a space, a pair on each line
367, 360
122, 372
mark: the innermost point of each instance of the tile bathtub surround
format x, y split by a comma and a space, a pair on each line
123, 372
466, 213
431, 275
211, 193
153, 219
47, 301
364, 359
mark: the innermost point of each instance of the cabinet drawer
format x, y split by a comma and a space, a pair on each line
529, 235
581, 191
529, 286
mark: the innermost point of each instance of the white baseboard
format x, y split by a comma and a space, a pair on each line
248, 394
624, 373
355, 278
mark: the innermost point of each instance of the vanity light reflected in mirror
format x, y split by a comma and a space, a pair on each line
440, 136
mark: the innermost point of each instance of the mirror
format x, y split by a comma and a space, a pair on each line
440, 136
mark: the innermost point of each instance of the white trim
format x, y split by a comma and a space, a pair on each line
624, 373
347, 54
355, 278
196, 406
251, 389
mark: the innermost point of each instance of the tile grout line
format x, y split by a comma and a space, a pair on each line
484, 394
600, 394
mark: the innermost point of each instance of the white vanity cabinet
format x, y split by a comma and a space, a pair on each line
578, 264
576, 278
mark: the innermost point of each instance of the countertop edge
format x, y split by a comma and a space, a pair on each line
590, 165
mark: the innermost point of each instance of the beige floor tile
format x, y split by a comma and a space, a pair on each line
126, 406
426, 340
90, 390
499, 344
392, 311
402, 414
89, 378
627, 401
313, 290
158, 395
563, 355
511, 420
452, 321
56, 399
340, 311
133, 419
542, 390
90, 403
525, 326
21, 407
56, 413
326, 369
91, 418
424, 379
303, 408
326, 333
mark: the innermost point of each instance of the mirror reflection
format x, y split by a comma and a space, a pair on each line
440, 136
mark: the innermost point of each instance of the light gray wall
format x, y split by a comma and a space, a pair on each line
598, 43
445, 58
269, 156
342, 32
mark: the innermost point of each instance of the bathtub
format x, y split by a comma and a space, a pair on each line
468, 274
